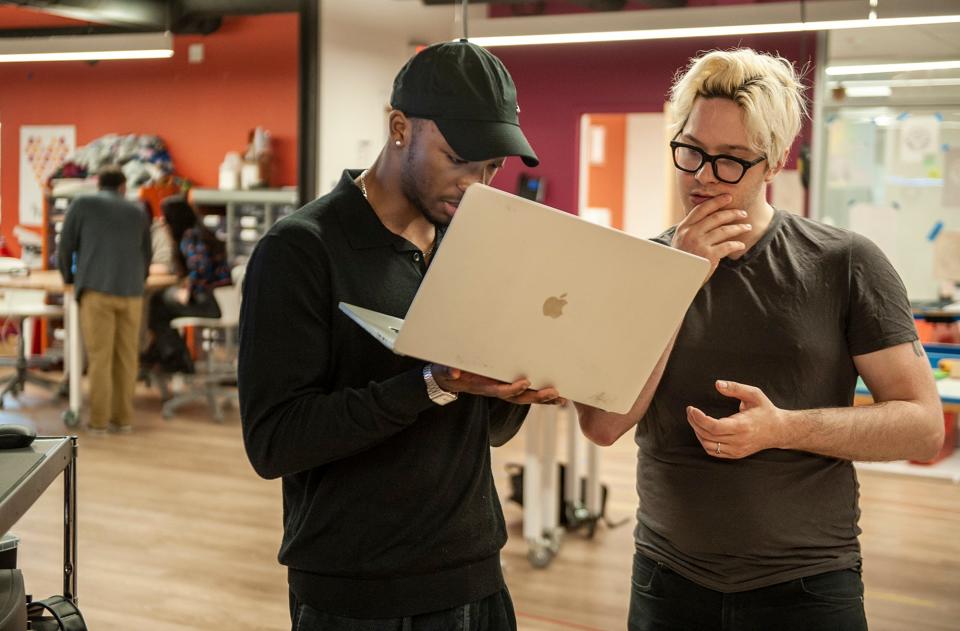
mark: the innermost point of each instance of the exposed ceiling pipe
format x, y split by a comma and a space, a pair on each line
131, 14
111, 16
593, 5
237, 7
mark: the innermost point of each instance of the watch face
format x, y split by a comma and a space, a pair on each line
437, 394
443, 398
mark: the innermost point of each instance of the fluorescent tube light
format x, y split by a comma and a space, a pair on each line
87, 47
839, 71
897, 83
707, 31
867, 90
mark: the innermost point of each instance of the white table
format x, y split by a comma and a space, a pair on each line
52, 282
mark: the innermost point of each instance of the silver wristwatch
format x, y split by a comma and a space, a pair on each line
437, 394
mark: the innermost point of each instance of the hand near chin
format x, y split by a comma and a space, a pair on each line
712, 231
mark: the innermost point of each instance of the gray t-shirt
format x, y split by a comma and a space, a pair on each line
787, 317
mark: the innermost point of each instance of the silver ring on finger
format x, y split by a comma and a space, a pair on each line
718, 449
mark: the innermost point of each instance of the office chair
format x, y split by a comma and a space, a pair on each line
23, 306
214, 379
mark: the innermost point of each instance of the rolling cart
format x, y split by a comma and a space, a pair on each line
25, 474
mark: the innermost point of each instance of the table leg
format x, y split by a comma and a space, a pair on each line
74, 354
70, 526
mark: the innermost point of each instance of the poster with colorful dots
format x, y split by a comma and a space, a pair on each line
43, 148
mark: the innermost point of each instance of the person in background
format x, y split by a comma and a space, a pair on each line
391, 517
200, 261
152, 195
164, 250
105, 253
748, 495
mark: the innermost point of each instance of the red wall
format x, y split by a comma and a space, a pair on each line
557, 84
248, 78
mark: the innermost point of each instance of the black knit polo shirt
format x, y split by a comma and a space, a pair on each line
389, 504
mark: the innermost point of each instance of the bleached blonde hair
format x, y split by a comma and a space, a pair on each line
766, 87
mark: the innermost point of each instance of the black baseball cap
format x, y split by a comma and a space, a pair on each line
470, 96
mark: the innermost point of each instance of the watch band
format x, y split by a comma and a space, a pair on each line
437, 394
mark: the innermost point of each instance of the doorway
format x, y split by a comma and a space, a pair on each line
626, 176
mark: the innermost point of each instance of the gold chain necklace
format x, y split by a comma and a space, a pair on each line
362, 182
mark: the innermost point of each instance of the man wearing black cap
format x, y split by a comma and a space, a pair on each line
391, 518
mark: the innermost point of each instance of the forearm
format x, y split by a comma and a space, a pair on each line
604, 428
65, 251
890, 430
286, 432
296, 409
147, 250
506, 419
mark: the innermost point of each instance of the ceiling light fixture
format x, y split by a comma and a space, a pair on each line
899, 83
706, 31
868, 91
87, 47
841, 71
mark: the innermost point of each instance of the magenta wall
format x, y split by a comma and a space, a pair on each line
557, 84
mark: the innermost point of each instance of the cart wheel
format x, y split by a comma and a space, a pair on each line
540, 556
71, 418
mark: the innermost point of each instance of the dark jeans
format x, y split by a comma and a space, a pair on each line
493, 613
662, 600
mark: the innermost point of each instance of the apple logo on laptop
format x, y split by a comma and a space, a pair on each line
553, 306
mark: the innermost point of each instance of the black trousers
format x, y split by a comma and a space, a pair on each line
164, 307
493, 613
662, 600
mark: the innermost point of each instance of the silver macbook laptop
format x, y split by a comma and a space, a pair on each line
518, 289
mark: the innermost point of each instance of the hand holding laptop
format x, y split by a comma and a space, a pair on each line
532, 297
456, 380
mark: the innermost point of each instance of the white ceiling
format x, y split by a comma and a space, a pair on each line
895, 44
875, 45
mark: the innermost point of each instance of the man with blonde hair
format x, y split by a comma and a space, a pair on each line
748, 496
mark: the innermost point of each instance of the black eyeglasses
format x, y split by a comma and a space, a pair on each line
729, 169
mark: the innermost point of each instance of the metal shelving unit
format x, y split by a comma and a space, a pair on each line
247, 215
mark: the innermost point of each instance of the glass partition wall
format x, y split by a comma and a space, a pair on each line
892, 173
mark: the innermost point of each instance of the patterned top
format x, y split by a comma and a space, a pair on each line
205, 270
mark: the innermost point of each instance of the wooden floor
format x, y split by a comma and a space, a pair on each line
177, 533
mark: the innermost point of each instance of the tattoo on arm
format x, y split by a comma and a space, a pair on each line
918, 348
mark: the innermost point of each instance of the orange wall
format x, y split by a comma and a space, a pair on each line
248, 78
606, 187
